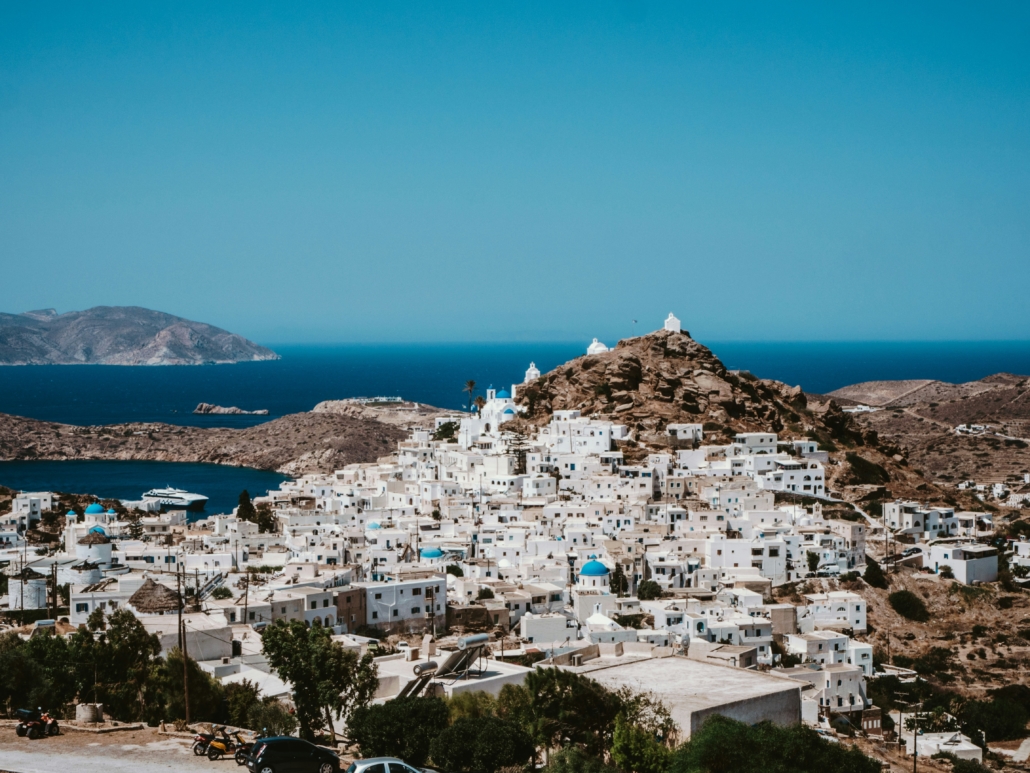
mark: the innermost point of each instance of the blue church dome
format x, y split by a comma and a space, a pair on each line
508, 412
97, 530
72, 514
110, 511
593, 569
431, 552
373, 525
94, 509
503, 395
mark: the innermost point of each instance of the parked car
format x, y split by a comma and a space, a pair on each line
384, 765
283, 754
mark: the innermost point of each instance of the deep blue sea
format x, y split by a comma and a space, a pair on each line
430, 373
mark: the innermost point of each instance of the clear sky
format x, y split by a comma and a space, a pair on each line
510, 171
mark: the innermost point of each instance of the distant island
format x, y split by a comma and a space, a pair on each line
119, 335
221, 410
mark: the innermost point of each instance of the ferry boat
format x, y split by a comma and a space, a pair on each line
175, 499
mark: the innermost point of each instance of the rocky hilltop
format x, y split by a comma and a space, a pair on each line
667, 377
119, 335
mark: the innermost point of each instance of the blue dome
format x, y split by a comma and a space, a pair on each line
508, 411
94, 509
373, 525
97, 530
431, 552
72, 514
593, 569
110, 511
503, 395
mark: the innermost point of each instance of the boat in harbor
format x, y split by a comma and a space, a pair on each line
175, 499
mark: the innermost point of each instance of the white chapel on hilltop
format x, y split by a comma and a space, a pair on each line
671, 323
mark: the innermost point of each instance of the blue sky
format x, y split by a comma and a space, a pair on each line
488, 171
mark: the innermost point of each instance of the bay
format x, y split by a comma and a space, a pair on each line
129, 479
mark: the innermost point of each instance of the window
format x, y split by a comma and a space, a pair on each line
314, 605
82, 607
416, 610
379, 596
325, 602
395, 613
416, 591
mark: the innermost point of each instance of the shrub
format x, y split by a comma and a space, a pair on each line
909, 605
481, 745
455, 570
221, 592
484, 594
724, 745
649, 590
874, 575
946, 572
572, 759
403, 727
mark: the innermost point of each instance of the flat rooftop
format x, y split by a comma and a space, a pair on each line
690, 686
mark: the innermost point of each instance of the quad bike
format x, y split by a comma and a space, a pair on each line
35, 724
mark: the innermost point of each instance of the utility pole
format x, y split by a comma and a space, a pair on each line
185, 672
246, 594
53, 585
178, 592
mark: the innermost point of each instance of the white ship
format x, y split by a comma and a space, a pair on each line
175, 499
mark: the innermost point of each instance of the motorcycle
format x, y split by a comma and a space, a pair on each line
200, 743
227, 744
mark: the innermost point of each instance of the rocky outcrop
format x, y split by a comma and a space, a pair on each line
219, 410
119, 335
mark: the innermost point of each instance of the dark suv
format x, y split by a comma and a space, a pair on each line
291, 755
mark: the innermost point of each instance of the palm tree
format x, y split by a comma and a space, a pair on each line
479, 402
470, 387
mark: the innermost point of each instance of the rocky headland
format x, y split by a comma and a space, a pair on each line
119, 335
294, 445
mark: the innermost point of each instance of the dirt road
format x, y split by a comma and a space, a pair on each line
139, 751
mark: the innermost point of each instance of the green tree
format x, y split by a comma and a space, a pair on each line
635, 749
619, 583
471, 703
446, 431
813, 560
327, 679
245, 510
241, 699
206, 693
403, 727
455, 570
470, 387
649, 590
946, 572
874, 575
113, 662
221, 593
574, 760
570, 708
484, 593
270, 718
909, 605
134, 519
481, 745
724, 745
265, 519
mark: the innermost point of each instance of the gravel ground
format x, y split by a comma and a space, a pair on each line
138, 751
